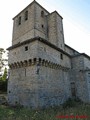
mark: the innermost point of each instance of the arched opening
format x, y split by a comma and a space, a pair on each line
42, 13
26, 15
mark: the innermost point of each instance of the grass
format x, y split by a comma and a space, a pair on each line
12, 113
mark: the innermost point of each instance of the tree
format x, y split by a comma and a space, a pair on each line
2, 60
4, 77
2, 50
3, 81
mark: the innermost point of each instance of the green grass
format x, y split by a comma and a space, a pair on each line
11, 113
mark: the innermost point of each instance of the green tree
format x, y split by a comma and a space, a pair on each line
4, 77
2, 60
3, 81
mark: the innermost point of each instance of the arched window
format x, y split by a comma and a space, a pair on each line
26, 15
42, 13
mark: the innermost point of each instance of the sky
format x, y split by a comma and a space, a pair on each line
76, 20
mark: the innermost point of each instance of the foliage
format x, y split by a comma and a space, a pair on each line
10, 113
2, 51
3, 86
72, 102
3, 81
4, 77
2, 61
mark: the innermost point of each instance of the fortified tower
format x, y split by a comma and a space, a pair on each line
39, 60
36, 59
35, 21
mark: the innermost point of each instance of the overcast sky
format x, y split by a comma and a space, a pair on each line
76, 20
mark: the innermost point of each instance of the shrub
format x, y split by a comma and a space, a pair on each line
3, 86
72, 102
3, 81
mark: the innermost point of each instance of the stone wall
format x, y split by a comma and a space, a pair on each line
25, 30
71, 51
55, 30
87, 76
43, 68
48, 26
38, 76
78, 62
80, 78
41, 26
19, 54
50, 54
22, 87
53, 83
86, 63
37, 49
60, 32
52, 32
86, 72
36, 25
38, 84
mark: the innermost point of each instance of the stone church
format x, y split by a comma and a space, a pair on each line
44, 71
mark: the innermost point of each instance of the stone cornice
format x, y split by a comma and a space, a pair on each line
41, 40
85, 70
38, 62
82, 54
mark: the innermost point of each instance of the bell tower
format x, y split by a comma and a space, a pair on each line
29, 23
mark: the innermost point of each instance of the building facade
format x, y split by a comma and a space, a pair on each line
44, 71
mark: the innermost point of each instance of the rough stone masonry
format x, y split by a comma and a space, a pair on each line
44, 71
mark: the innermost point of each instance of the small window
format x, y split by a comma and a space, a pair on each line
42, 26
42, 13
19, 20
26, 48
26, 15
61, 56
